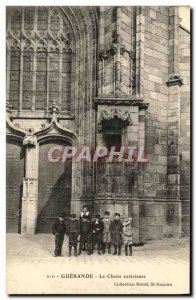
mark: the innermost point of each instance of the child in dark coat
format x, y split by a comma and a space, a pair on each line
85, 235
97, 228
59, 230
106, 233
85, 212
73, 232
116, 229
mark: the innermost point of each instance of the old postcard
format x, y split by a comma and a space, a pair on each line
98, 150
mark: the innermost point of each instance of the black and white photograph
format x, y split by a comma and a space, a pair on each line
98, 133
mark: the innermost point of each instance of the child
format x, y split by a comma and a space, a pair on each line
73, 233
97, 228
116, 229
128, 236
85, 212
85, 235
59, 230
106, 233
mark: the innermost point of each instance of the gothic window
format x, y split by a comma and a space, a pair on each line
16, 20
41, 77
54, 73
54, 23
14, 73
27, 86
29, 15
66, 79
42, 19
40, 66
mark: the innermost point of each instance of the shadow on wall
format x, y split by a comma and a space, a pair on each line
56, 198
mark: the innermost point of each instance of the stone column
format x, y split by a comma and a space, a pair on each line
30, 186
173, 209
101, 47
118, 55
76, 191
140, 34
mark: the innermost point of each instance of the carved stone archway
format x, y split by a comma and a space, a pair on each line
54, 131
31, 141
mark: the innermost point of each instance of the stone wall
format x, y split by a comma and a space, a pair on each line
153, 209
184, 67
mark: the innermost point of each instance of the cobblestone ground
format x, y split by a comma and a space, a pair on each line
31, 268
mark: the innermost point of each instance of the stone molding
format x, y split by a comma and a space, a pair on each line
121, 101
13, 129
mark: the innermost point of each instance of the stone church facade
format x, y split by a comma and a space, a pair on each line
94, 76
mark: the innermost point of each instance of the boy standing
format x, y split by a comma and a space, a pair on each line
59, 230
116, 229
85, 212
73, 233
128, 236
97, 228
106, 232
85, 235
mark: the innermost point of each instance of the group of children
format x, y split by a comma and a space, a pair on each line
88, 233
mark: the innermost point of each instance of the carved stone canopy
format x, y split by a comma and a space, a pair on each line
122, 114
54, 128
107, 53
31, 138
117, 101
130, 53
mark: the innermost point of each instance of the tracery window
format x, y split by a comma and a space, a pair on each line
40, 57
41, 76
14, 75
27, 80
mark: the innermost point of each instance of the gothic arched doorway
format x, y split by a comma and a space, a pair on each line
54, 185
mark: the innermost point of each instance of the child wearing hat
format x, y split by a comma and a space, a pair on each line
59, 230
85, 235
128, 236
106, 233
73, 232
97, 228
116, 229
